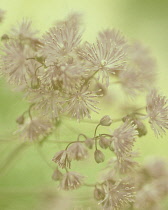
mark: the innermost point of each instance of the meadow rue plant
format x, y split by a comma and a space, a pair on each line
61, 75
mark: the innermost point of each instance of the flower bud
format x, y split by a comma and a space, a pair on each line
142, 131
20, 120
57, 175
106, 121
4, 37
99, 193
35, 83
89, 143
104, 142
99, 156
111, 146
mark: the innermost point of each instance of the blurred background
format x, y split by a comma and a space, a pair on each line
25, 182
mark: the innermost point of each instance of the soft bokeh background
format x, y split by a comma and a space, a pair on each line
26, 182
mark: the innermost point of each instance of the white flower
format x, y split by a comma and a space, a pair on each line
81, 102
24, 30
105, 57
117, 194
77, 151
14, 62
60, 41
71, 180
34, 129
157, 109
123, 139
62, 159
47, 102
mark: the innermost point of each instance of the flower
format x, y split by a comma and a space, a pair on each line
139, 71
71, 180
77, 151
125, 165
62, 159
147, 198
34, 129
80, 103
60, 41
24, 30
47, 102
117, 194
105, 57
123, 139
14, 62
157, 109
113, 35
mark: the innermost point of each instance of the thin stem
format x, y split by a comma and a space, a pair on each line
81, 135
13, 155
89, 185
95, 136
29, 110
73, 143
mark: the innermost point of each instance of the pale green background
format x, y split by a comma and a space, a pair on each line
137, 19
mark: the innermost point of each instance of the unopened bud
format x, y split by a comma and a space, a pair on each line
142, 131
99, 156
106, 121
104, 142
99, 193
35, 83
4, 37
20, 120
89, 143
57, 175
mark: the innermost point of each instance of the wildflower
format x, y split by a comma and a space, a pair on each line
147, 198
117, 194
157, 110
99, 156
57, 175
105, 121
34, 129
123, 139
113, 35
60, 41
47, 102
125, 165
62, 159
77, 151
71, 180
24, 30
80, 103
73, 20
141, 128
156, 168
104, 57
139, 70
14, 62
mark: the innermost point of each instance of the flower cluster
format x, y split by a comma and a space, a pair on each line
61, 76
